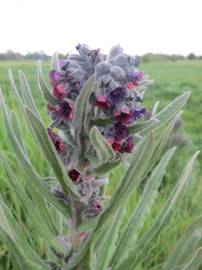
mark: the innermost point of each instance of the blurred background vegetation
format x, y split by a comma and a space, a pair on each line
172, 76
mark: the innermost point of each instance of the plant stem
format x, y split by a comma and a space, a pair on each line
75, 240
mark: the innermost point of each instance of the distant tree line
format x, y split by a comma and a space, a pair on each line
151, 57
41, 55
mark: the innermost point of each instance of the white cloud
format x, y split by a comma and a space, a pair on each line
167, 26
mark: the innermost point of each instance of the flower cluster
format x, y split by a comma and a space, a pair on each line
116, 103
117, 99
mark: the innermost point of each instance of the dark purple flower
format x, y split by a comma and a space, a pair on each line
74, 175
120, 131
138, 112
127, 145
138, 99
117, 95
65, 111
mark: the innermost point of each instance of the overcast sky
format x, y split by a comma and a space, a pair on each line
140, 26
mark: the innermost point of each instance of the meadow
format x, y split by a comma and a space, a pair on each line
170, 80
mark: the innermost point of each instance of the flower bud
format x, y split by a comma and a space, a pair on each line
116, 50
83, 50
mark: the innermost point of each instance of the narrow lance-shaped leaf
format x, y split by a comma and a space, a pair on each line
139, 127
15, 91
137, 254
107, 244
81, 105
26, 92
18, 132
44, 88
128, 236
55, 62
163, 116
161, 142
19, 259
186, 246
105, 167
19, 237
19, 100
154, 109
101, 145
131, 179
32, 211
39, 200
26, 166
173, 108
51, 154
194, 263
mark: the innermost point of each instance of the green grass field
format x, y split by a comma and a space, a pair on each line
170, 80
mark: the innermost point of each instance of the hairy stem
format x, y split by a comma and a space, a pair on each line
75, 240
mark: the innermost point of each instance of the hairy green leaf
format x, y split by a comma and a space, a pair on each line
101, 145
26, 92
19, 238
137, 254
129, 235
55, 62
16, 128
173, 108
105, 168
26, 166
186, 247
194, 263
131, 178
20, 261
167, 113
51, 154
44, 88
107, 244
32, 210
138, 127
81, 106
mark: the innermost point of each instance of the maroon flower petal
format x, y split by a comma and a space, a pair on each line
115, 145
127, 145
57, 141
50, 107
59, 91
74, 175
102, 102
123, 115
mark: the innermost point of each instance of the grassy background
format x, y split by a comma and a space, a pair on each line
170, 80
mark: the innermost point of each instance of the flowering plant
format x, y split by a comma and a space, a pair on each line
95, 103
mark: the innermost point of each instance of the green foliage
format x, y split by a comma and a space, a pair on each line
102, 147
112, 242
